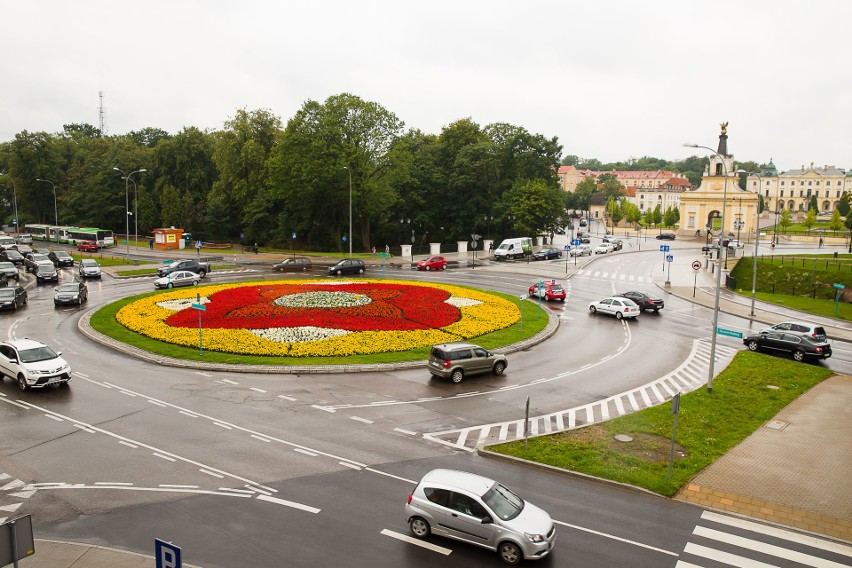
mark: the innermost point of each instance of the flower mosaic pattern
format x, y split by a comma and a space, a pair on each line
300, 318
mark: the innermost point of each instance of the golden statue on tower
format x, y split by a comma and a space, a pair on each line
724, 126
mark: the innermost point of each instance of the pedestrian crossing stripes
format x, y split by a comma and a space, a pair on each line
13, 490
719, 540
618, 276
689, 376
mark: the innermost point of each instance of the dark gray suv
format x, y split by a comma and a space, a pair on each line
347, 266
455, 360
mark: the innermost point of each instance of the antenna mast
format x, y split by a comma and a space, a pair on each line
102, 114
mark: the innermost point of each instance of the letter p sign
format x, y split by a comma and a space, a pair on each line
166, 554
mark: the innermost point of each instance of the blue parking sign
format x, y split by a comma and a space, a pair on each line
166, 554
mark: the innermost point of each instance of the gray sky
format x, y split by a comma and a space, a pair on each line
611, 79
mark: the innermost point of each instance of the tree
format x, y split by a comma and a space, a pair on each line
813, 205
843, 204
670, 217
836, 223
535, 205
810, 219
614, 211
582, 195
631, 212
786, 220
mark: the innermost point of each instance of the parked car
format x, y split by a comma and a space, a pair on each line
645, 300
88, 246
298, 264
13, 297
43, 251
580, 250
548, 290
71, 293
23, 249
456, 360
33, 364
89, 268
800, 328
347, 266
800, 347
432, 263
45, 271
24, 239
477, 510
10, 270
584, 222
547, 253
178, 278
61, 258
13, 256
616, 305
710, 248
666, 237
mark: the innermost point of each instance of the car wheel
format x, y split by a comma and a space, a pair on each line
457, 376
15, 307
618, 315
22, 383
337, 273
202, 273
499, 368
169, 285
80, 301
799, 355
444, 267
592, 310
753, 346
195, 282
360, 271
510, 553
428, 268
419, 527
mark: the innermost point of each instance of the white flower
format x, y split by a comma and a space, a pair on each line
461, 302
323, 300
182, 304
298, 334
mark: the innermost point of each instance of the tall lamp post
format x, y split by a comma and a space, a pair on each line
15, 198
55, 210
127, 202
756, 237
135, 214
350, 209
712, 369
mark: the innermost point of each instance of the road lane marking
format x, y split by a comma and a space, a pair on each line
157, 403
52, 417
402, 431
261, 438
290, 398
83, 428
211, 473
417, 542
167, 458
190, 414
359, 419
306, 452
350, 465
765, 548
255, 389
726, 557
170, 486
128, 444
618, 538
291, 504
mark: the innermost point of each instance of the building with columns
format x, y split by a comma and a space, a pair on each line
793, 189
719, 191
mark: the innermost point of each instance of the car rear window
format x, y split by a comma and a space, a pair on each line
820, 331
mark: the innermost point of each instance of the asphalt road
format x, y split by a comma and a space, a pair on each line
265, 470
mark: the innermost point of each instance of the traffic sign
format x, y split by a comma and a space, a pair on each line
696, 265
474, 244
294, 235
575, 242
200, 307
567, 247
669, 258
664, 248
729, 332
344, 238
166, 554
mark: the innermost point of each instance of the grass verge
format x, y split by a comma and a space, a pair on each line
708, 426
103, 320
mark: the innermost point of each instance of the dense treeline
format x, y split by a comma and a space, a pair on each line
258, 180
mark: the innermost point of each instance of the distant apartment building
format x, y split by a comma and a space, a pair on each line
793, 189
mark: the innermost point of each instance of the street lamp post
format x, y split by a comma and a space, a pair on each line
350, 209
712, 369
135, 214
15, 198
55, 210
756, 238
127, 203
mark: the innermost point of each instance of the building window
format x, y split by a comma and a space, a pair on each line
782, 183
810, 183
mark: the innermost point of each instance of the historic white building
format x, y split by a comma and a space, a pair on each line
793, 189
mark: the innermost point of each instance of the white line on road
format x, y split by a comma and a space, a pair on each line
359, 419
230, 382
306, 452
770, 549
167, 458
169, 486
618, 538
725, 557
84, 428
286, 503
128, 444
52, 417
112, 483
255, 389
290, 398
261, 438
401, 431
157, 403
350, 465
190, 414
225, 426
416, 542
211, 473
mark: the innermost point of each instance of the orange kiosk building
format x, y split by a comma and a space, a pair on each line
169, 239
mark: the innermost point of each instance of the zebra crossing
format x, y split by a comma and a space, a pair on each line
615, 276
689, 376
719, 540
13, 493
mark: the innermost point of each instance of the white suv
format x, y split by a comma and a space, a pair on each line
33, 364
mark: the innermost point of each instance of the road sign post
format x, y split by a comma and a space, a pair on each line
840, 288
166, 554
197, 305
664, 249
696, 266
675, 410
16, 540
669, 259
729, 332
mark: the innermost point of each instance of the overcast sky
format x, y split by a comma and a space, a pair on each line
611, 79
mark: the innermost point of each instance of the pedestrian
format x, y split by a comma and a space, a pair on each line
820, 242
198, 247
151, 243
387, 249
374, 251
255, 248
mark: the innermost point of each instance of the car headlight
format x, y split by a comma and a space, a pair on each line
534, 537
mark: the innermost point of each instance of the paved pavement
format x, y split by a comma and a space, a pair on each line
794, 471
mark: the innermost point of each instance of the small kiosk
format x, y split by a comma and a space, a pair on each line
169, 239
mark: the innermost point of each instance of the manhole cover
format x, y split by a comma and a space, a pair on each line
623, 438
777, 424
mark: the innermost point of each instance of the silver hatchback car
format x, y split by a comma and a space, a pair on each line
478, 510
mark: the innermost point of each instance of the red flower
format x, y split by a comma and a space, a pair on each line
393, 307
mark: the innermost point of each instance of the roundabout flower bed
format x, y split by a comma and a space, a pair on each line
297, 318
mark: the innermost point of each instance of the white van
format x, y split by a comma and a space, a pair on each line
514, 248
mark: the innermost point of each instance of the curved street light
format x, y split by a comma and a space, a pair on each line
350, 209
55, 210
718, 266
127, 203
15, 197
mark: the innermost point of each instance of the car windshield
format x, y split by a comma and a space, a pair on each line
43, 353
62, 254
7, 266
89, 263
68, 288
46, 267
7, 293
503, 502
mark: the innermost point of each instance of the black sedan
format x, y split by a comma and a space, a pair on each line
71, 293
666, 237
347, 266
547, 253
12, 298
297, 264
800, 347
645, 300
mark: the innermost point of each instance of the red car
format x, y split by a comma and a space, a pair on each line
433, 263
548, 290
88, 246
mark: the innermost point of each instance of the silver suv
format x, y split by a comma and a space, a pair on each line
33, 364
455, 360
799, 328
477, 510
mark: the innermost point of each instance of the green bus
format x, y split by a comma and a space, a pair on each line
70, 235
